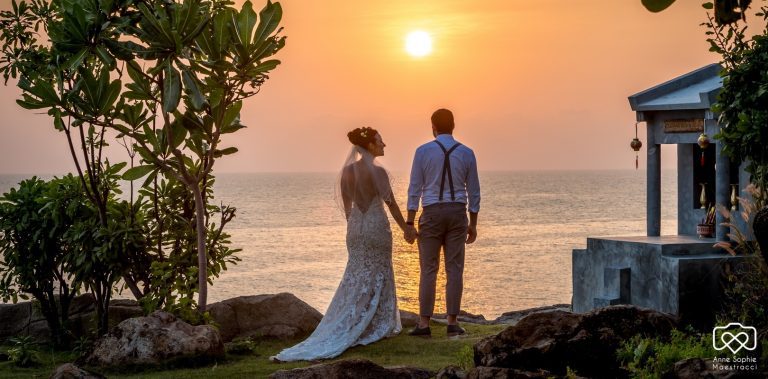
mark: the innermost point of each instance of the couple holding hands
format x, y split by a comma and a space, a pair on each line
444, 180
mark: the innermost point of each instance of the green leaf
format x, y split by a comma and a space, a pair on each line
105, 57
137, 172
74, 62
269, 19
117, 167
266, 66
227, 151
657, 5
231, 113
708, 5
190, 85
171, 88
246, 21
178, 132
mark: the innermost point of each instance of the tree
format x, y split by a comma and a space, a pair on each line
190, 64
34, 254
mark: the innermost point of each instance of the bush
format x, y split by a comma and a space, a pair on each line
24, 352
35, 257
652, 357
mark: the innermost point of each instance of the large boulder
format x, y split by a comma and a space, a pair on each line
513, 317
25, 318
586, 343
463, 316
282, 316
157, 339
451, 372
14, 319
352, 369
70, 371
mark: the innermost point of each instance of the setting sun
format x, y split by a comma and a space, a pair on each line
418, 43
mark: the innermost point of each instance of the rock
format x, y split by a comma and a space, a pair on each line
409, 319
451, 372
70, 371
463, 316
506, 373
156, 339
26, 319
123, 309
352, 369
513, 317
587, 343
282, 316
14, 318
695, 368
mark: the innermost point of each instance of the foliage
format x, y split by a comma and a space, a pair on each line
646, 357
743, 109
739, 242
35, 254
746, 294
169, 218
726, 11
23, 352
83, 346
244, 346
169, 76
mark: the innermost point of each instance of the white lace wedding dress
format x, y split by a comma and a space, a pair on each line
364, 308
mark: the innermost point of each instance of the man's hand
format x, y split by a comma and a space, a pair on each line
471, 233
410, 234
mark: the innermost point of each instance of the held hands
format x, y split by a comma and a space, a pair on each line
410, 234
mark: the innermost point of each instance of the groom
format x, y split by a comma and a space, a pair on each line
444, 178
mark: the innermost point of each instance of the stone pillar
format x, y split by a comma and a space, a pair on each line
653, 182
722, 184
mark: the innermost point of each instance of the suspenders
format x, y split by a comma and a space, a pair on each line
447, 168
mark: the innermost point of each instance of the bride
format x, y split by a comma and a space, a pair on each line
364, 307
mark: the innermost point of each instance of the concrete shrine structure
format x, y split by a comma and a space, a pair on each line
678, 274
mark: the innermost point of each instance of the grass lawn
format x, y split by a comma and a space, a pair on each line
433, 353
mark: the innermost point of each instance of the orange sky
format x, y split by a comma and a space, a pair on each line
533, 84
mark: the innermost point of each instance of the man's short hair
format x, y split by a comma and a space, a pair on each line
442, 120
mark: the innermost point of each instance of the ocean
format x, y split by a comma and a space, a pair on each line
293, 235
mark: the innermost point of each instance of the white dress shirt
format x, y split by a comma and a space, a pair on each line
427, 172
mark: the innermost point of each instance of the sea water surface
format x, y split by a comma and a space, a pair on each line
293, 235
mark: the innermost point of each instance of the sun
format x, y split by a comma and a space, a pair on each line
418, 43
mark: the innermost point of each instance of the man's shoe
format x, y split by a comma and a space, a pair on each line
420, 332
455, 330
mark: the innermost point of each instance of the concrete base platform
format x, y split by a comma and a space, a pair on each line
674, 274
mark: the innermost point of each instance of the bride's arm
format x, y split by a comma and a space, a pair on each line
395, 210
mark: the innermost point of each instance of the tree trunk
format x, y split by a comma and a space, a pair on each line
760, 229
202, 256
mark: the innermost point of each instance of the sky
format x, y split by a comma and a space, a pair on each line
533, 85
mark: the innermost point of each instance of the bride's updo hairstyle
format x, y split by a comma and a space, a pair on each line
362, 136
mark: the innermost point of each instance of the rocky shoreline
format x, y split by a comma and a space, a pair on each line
536, 343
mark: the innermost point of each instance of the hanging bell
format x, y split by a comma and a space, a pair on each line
636, 145
703, 142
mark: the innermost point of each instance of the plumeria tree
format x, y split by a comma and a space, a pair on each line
169, 76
